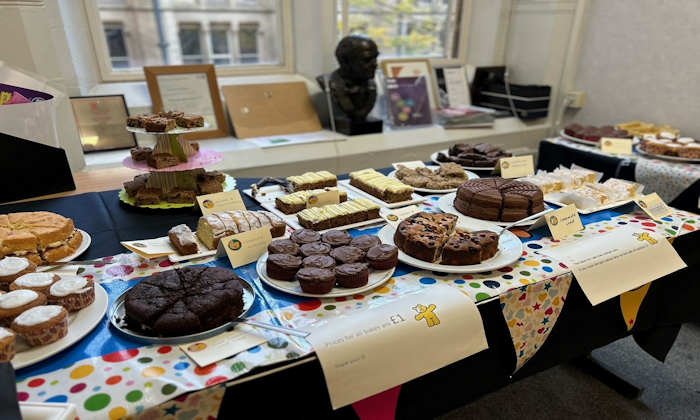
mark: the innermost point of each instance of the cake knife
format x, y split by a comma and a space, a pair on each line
265, 325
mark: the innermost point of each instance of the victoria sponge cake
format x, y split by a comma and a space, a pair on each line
41, 237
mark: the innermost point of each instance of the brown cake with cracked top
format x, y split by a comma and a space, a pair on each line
499, 199
184, 301
433, 237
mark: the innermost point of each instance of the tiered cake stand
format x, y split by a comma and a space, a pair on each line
173, 142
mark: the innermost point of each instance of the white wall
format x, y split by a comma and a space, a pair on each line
639, 61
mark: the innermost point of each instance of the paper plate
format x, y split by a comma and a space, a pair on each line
434, 156
470, 175
229, 185
446, 204
376, 279
79, 325
117, 314
509, 251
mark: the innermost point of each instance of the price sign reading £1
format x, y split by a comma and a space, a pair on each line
381, 347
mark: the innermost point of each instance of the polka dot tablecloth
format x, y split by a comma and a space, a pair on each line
133, 381
668, 179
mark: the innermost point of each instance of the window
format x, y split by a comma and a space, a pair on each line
406, 28
228, 33
248, 42
114, 33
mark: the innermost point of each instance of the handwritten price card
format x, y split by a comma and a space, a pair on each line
382, 347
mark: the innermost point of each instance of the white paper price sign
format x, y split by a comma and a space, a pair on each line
388, 345
607, 265
654, 206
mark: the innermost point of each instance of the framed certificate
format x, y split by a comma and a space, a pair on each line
413, 67
192, 89
101, 122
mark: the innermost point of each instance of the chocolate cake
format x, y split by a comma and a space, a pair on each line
319, 261
190, 121
336, 238
481, 155
316, 280
158, 124
184, 301
162, 160
365, 242
141, 153
315, 248
433, 237
283, 246
282, 266
352, 275
498, 199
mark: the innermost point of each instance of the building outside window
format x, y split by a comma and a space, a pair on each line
248, 42
114, 33
220, 44
190, 43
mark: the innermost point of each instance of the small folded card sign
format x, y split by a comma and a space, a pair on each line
222, 346
654, 206
395, 216
616, 146
391, 344
323, 199
150, 248
609, 264
412, 164
561, 222
223, 201
246, 247
516, 167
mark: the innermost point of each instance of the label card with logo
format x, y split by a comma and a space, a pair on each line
388, 345
411, 164
561, 222
222, 346
223, 201
616, 146
654, 206
323, 199
516, 167
150, 248
395, 216
246, 247
607, 265
384, 346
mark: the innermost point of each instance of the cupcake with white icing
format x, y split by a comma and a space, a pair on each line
7, 344
13, 267
72, 292
42, 325
39, 282
16, 302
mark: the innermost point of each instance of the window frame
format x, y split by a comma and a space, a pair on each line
463, 39
108, 74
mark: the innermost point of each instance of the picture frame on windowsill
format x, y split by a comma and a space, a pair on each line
101, 122
413, 67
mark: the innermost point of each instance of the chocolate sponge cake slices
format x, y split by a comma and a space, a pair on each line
499, 199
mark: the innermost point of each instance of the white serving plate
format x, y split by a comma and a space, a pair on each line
415, 198
87, 240
176, 130
79, 325
664, 157
434, 156
271, 192
376, 279
446, 205
578, 140
594, 209
509, 251
470, 175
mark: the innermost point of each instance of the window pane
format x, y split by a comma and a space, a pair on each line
404, 28
223, 32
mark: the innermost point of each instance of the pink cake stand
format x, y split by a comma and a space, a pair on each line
200, 160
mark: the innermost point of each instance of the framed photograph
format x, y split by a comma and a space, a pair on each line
413, 67
101, 122
192, 89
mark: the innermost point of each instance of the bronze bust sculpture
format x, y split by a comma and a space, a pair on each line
352, 86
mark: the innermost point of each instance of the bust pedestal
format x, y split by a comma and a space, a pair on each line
349, 127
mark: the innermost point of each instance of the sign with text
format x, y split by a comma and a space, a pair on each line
412, 164
323, 199
223, 201
564, 221
391, 344
607, 265
654, 206
150, 248
246, 247
222, 346
517, 166
395, 216
616, 146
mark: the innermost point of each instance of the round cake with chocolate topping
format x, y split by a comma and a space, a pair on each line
499, 199
319, 261
336, 238
348, 254
315, 248
283, 246
305, 236
317, 281
282, 266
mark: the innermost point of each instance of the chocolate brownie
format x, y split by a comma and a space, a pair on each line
365, 242
305, 236
480, 155
181, 195
315, 248
282, 266
158, 124
383, 256
147, 196
184, 301
336, 238
190, 121
317, 281
171, 114
141, 153
162, 160
348, 254
319, 261
283, 246
209, 187
352, 275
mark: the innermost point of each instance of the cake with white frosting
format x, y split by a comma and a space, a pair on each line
13, 267
42, 325
7, 344
38, 282
14, 303
72, 292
